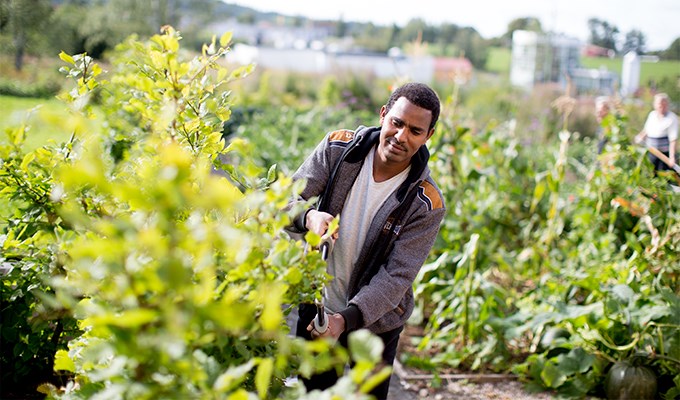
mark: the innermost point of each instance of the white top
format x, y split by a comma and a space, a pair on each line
658, 126
363, 201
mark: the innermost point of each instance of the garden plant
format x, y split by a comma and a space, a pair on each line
146, 256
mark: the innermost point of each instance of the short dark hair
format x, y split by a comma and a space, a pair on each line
419, 94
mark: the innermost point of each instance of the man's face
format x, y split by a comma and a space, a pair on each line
661, 106
403, 130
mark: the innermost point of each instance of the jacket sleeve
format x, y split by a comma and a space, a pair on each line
315, 170
387, 289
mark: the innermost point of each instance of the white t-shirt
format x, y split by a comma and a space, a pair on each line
363, 201
658, 126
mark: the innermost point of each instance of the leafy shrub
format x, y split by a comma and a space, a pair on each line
176, 278
38, 78
33, 328
532, 243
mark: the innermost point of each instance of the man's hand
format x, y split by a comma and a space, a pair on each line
336, 325
318, 221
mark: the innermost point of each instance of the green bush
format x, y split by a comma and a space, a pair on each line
176, 278
535, 241
39, 78
21, 89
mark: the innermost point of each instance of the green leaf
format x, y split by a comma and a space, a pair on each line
263, 376
225, 39
233, 376
62, 362
28, 158
375, 379
539, 191
272, 316
127, 319
552, 376
623, 293
271, 174
293, 275
364, 346
66, 58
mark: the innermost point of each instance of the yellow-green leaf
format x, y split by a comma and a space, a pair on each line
66, 58
62, 362
133, 318
27, 160
272, 317
263, 376
539, 191
375, 379
225, 39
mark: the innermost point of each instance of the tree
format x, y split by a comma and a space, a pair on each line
417, 29
22, 19
635, 41
446, 37
473, 46
340, 28
673, 51
524, 24
602, 33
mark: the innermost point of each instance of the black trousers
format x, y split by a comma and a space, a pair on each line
324, 380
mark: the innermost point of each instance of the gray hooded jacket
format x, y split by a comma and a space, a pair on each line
380, 297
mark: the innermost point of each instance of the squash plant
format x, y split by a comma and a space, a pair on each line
178, 279
537, 242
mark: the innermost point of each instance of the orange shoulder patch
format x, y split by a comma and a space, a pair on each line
342, 135
430, 195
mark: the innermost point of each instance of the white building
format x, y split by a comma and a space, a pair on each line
320, 61
630, 73
538, 58
594, 81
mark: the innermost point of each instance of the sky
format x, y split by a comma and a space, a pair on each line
658, 20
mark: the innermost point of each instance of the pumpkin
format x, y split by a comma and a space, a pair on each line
627, 380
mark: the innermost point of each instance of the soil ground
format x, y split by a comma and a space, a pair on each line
407, 386
411, 384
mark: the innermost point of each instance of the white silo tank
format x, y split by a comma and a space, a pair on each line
630, 73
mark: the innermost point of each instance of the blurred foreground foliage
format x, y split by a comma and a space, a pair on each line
138, 262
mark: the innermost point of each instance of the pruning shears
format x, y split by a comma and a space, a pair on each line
321, 320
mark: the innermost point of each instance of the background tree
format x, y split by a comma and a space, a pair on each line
602, 33
673, 51
635, 41
524, 24
21, 20
417, 29
473, 46
446, 37
340, 28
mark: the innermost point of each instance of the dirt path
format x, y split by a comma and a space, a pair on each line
406, 386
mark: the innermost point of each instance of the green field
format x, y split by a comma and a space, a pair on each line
499, 62
648, 70
33, 112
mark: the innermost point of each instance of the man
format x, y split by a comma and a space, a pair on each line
661, 132
377, 180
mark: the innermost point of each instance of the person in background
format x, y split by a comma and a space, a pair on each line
602, 109
661, 132
377, 180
